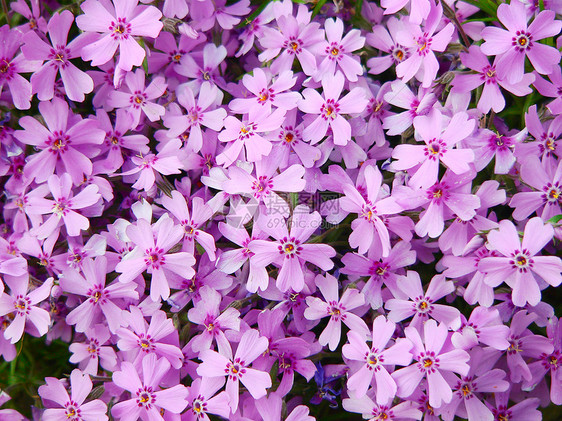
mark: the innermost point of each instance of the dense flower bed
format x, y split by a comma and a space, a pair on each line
281, 210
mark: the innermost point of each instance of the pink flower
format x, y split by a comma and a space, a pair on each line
11, 67
137, 100
192, 222
73, 406
548, 194
520, 40
267, 93
76, 82
206, 313
247, 134
200, 113
202, 402
151, 254
385, 40
150, 166
92, 352
290, 250
159, 338
237, 369
293, 38
329, 109
147, 398
422, 45
21, 304
400, 95
338, 309
381, 270
336, 51
422, 305
265, 185
369, 229
99, 298
439, 147
118, 24
450, 196
519, 266
374, 359
117, 143
67, 144
63, 207
491, 98
432, 358
418, 10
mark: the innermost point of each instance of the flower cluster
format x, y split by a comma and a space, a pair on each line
261, 210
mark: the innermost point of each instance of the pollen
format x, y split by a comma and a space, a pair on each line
520, 261
428, 362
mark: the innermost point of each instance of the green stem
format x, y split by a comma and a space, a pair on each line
6, 13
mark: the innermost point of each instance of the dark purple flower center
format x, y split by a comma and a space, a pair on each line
120, 29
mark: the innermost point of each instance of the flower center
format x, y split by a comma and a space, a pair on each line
4, 66
120, 29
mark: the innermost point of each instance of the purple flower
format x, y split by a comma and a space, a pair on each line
381, 270
21, 304
98, 296
338, 309
202, 402
76, 82
369, 230
439, 147
267, 93
290, 250
73, 406
118, 24
384, 40
199, 114
422, 45
67, 143
236, 369
422, 306
374, 359
151, 254
247, 134
206, 313
518, 264
548, 194
92, 352
491, 98
147, 398
520, 40
137, 100
432, 358
293, 38
11, 67
329, 109
155, 339
336, 51
63, 207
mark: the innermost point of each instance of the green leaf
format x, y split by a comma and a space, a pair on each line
254, 14
318, 7
555, 219
487, 6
